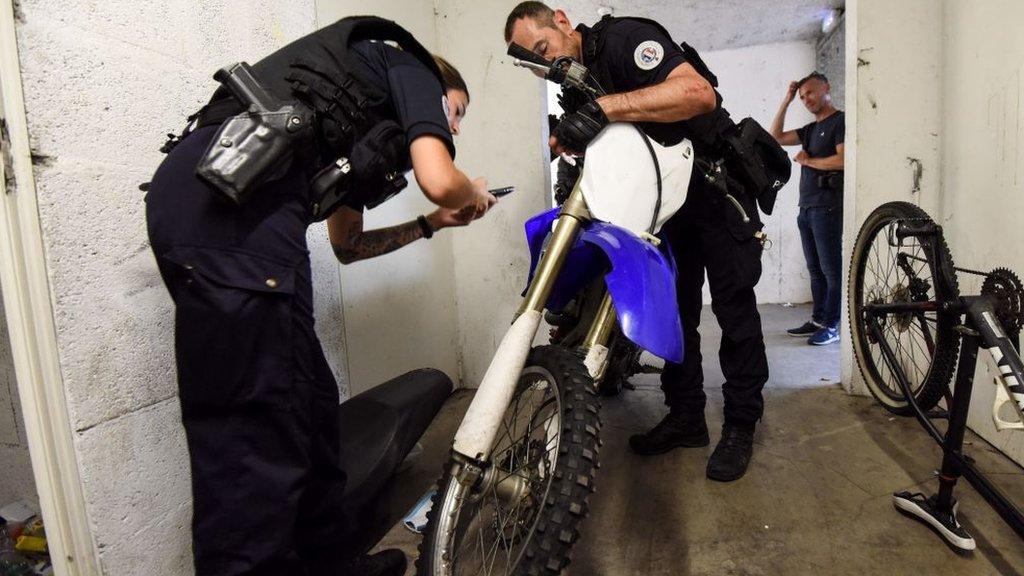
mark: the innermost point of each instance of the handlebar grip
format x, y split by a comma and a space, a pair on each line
517, 51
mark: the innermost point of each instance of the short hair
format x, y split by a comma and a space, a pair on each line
812, 76
452, 79
538, 11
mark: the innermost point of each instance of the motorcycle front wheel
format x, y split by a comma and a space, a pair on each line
523, 515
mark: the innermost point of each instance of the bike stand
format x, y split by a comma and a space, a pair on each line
927, 510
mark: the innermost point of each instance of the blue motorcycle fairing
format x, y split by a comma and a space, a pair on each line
641, 281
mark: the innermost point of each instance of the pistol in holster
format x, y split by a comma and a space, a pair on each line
258, 145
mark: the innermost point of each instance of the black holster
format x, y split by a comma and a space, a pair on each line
258, 145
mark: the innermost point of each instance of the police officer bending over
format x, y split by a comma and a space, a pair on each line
320, 129
667, 90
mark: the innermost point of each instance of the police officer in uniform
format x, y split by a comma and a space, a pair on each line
666, 89
258, 398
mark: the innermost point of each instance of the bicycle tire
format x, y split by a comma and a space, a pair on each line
928, 384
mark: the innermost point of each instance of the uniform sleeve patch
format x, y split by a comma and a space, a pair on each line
648, 55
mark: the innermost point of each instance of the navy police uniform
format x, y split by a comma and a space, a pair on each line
258, 398
706, 235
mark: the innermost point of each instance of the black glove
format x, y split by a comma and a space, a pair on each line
576, 130
571, 99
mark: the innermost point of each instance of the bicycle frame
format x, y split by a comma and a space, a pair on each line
981, 328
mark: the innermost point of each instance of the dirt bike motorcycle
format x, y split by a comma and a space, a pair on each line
515, 491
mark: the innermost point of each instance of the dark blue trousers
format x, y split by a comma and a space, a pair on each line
258, 400
821, 231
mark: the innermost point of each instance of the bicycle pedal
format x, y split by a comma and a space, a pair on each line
938, 414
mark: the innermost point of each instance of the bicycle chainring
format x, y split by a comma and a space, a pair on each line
1008, 292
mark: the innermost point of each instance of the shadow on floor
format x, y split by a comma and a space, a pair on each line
815, 501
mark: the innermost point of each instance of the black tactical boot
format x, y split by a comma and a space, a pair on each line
384, 563
674, 431
732, 455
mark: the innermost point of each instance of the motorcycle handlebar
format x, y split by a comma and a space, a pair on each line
518, 52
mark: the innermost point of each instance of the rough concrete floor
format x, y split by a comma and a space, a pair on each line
815, 501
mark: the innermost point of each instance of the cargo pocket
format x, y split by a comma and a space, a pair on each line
748, 248
233, 327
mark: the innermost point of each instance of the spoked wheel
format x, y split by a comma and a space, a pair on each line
892, 268
522, 516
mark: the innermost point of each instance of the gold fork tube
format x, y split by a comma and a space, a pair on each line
604, 322
570, 219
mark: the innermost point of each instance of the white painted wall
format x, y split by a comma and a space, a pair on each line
399, 309
983, 160
103, 82
894, 113
753, 81
491, 258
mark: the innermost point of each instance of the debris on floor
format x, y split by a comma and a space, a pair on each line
23, 549
416, 519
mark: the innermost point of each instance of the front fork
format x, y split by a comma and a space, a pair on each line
475, 437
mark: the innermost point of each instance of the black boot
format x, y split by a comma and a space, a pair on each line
674, 431
732, 455
384, 563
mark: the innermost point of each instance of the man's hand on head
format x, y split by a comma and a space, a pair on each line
794, 87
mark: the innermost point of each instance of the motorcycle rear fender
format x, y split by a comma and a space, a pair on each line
641, 281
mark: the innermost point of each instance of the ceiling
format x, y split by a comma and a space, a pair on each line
717, 24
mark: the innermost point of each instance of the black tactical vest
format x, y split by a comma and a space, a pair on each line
703, 130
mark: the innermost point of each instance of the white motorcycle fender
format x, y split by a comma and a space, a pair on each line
479, 427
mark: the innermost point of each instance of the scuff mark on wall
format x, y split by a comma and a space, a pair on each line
19, 15
918, 168
42, 160
5, 157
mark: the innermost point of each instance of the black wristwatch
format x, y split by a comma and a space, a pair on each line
425, 226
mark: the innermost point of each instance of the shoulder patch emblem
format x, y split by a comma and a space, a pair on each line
648, 55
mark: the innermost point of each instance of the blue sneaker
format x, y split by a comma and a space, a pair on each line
824, 337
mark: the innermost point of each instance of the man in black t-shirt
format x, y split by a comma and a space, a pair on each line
664, 88
821, 202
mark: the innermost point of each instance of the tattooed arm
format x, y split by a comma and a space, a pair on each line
351, 243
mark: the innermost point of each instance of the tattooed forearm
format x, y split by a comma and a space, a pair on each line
361, 244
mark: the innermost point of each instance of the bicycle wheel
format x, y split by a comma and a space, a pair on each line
523, 516
887, 270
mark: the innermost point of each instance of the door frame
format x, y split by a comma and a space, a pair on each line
30, 321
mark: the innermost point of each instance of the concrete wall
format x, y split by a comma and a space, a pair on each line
894, 113
103, 82
16, 481
753, 81
831, 61
504, 129
983, 160
400, 309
